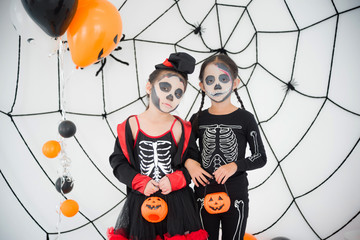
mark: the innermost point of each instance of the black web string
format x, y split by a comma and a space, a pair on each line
195, 28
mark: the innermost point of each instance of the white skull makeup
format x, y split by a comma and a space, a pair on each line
218, 82
166, 93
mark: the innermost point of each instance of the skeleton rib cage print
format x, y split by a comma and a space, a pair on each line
155, 158
226, 151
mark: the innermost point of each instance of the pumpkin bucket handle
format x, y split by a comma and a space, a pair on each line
219, 184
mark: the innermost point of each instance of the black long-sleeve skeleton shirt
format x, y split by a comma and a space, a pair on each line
224, 138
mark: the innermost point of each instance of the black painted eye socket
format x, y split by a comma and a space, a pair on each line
209, 80
178, 93
165, 86
224, 78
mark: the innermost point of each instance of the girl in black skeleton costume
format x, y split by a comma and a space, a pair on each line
224, 131
148, 157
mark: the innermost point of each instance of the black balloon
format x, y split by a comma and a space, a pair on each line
53, 16
280, 238
67, 129
66, 183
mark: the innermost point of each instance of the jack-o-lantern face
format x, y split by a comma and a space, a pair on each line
218, 202
154, 209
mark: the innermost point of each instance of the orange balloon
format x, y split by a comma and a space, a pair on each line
51, 149
69, 208
248, 236
94, 32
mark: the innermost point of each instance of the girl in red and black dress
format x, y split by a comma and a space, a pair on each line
148, 157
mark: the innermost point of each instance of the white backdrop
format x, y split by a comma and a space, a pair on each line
299, 66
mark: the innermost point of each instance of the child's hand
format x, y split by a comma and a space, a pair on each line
165, 185
224, 172
197, 173
151, 187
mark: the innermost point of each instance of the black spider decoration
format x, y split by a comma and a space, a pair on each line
198, 29
220, 50
290, 85
103, 61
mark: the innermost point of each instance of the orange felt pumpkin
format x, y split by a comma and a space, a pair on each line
218, 202
154, 209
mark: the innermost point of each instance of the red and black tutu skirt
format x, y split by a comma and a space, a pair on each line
182, 221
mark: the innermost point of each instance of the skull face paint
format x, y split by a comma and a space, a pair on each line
218, 82
166, 93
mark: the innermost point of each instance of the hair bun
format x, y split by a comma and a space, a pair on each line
181, 62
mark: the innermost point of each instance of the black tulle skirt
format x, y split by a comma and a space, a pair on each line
182, 218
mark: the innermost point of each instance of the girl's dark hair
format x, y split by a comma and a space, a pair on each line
156, 73
220, 58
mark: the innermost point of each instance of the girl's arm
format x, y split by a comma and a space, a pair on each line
192, 164
258, 156
181, 177
256, 160
197, 173
125, 172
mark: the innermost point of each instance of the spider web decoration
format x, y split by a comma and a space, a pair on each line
298, 62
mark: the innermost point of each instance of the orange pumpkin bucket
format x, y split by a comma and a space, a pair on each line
154, 209
218, 202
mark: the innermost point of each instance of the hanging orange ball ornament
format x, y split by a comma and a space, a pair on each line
69, 208
51, 149
154, 209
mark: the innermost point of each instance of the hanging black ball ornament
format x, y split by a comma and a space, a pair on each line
64, 184
67, 129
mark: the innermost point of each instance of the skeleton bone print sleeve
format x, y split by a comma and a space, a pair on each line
258, 156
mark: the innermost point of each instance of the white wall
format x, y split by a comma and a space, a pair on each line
309, 188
